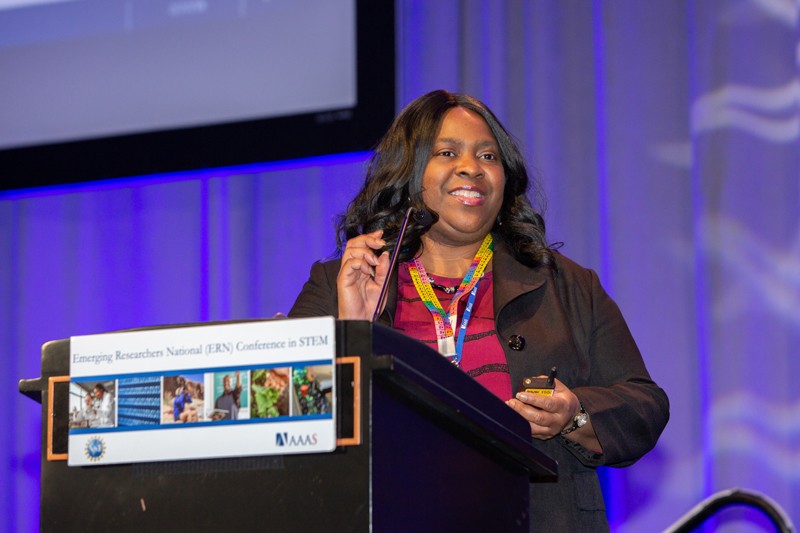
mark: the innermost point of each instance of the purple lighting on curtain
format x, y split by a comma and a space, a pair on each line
611, 483
601, 128
204, 251
703, 296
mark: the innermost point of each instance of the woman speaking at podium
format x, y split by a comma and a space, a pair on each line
480, 283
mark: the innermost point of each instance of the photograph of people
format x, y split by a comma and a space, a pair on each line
530, 307
228, 402
98, 409
182, 399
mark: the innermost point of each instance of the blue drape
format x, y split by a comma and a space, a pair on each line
665, 136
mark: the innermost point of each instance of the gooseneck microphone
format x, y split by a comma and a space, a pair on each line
421, 217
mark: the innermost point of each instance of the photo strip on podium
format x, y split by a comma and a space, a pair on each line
235, 434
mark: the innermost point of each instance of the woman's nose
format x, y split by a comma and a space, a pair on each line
469, 166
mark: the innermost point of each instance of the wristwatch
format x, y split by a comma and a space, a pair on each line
578, 421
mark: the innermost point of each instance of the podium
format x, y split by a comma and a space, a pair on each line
422, 447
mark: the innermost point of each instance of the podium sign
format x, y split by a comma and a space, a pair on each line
232, 390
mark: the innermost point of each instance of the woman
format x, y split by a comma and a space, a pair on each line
482, 286
181, 410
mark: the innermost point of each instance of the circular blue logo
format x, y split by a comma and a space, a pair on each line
95, 449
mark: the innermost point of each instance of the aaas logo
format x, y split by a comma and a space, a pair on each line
95, 449
285, 439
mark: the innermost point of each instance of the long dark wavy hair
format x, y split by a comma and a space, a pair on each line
394, 183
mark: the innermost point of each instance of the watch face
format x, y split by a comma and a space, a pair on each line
581, 419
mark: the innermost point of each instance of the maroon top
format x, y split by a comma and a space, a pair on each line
483, 357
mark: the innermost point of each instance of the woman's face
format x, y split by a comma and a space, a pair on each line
464, 179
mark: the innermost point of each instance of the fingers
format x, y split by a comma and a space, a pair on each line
355, 265
382, 268
363, 243
359, 256
547, 415
544, 424
361, 275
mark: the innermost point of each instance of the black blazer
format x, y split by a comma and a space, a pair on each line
556, 317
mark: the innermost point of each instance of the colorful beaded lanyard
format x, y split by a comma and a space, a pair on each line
443, 321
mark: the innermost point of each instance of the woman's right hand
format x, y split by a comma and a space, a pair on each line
361, 276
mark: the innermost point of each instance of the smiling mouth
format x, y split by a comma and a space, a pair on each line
467, 193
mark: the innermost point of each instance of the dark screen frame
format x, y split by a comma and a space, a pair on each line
237, 143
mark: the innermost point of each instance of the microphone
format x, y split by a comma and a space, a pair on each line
422, 217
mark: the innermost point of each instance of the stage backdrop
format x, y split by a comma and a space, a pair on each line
665, 134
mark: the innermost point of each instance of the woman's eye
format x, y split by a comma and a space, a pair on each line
489, 157
446, 153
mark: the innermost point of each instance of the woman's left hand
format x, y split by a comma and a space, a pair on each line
548, 416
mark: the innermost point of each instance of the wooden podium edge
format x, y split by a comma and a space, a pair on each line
51, 383
355, 439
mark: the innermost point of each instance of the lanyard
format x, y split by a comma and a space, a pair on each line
443, 321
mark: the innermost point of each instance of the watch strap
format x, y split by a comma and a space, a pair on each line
578, 421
